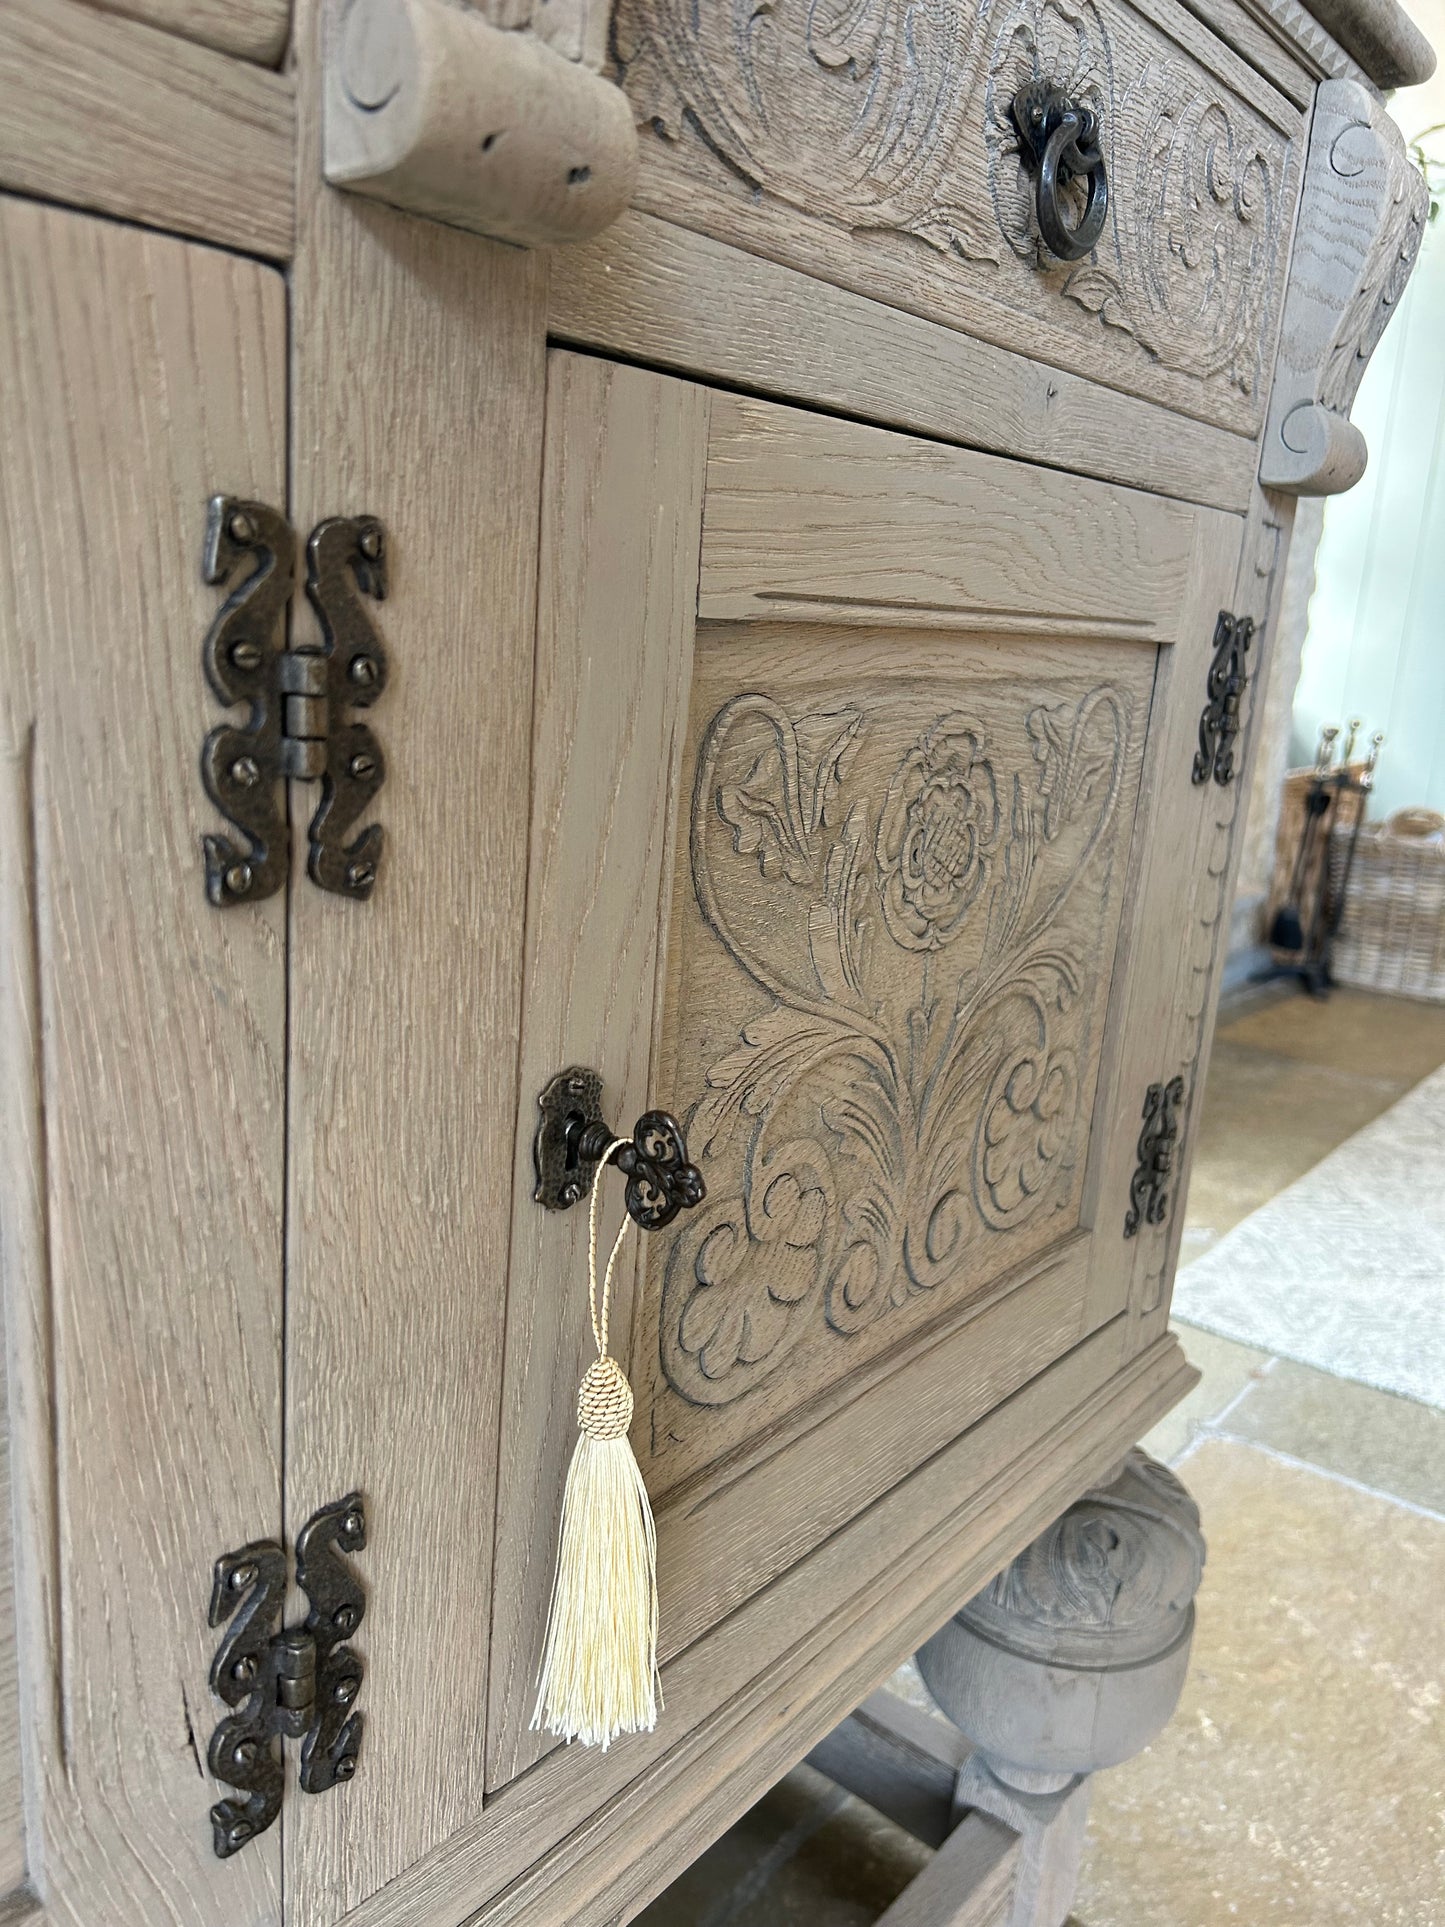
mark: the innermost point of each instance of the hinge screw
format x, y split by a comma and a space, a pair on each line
344, 1619
242, 527
363, 671
246, 656
238, 1835
346, 1766
353, 1525
247, 1753
246, 771
243, 1576
362, 766
345, 1692
244, 1670
361, 876
238, 882
370, 544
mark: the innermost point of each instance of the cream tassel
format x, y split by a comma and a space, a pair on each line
598, 1676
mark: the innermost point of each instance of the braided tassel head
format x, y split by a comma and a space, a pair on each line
598, 1676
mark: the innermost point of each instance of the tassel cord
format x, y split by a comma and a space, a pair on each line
598, 1676
600, 1303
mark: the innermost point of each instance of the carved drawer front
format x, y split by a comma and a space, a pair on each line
841, 740
875, 146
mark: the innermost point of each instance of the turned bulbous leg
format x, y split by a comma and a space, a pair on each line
1070, 1661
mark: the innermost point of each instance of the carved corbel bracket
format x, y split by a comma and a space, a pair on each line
433, 108
1361, 221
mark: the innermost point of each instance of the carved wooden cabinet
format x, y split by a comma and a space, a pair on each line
812, 633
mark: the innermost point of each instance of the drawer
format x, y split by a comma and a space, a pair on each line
872, 145
846, 760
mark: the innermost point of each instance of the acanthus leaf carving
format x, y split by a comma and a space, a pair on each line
890, 121
894, 879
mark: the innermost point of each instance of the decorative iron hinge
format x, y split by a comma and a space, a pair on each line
298, 699
1219, 722
1148, 1198
299, 1684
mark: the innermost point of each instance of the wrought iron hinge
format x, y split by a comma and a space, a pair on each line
297, 1684
1219, 721
298, 698
1148, 1197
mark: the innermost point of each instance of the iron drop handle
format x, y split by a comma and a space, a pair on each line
573, 1139
1059, 142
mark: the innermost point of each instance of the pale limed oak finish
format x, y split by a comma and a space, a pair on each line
800, 603
109, 113
144, 1041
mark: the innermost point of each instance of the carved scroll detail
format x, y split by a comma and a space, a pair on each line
915, 1083
1361, 221
893, 123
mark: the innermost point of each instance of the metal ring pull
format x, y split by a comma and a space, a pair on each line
1060, 138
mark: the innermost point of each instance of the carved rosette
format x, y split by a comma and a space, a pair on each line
1361, 222
896, 881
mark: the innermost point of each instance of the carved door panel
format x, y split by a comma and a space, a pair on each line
844, 769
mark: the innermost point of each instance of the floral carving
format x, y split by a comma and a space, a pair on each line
891, 121
896, 882
937, 835
881, 87
1197, 247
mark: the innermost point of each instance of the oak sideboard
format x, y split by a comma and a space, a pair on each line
722, 550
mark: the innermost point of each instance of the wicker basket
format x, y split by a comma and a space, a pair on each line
1393, 934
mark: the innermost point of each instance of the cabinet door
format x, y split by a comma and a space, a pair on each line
141, 1056
850, 757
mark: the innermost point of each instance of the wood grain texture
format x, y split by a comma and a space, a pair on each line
750, 1521
622, 516
1281, 40
968, 1883
902, 1760
1381, 35
31, 1524
1295, 27
250, 29
892, 935
1361, 222
813, 519
1258, 586
114, 115
412, 84
418, 376
143, 1051
12, 1793
1255, 37
586, 1838
663, 294
874, 150
1147, 996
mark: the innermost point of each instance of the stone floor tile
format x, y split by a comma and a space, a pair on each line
1355, 1031
1391, 1443
807, 1855
1301, 1780
1266, 1120
1227, 1369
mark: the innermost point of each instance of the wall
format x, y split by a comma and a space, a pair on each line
1375, 646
